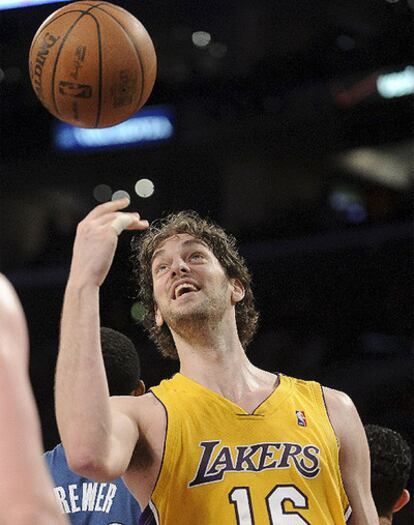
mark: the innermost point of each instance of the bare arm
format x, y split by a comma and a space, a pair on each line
26, 494
98, 440
353, 456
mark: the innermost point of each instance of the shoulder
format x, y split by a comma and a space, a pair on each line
140, 404
143, 410
342, 414
337, 400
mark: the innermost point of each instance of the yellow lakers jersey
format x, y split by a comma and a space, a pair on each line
221, 465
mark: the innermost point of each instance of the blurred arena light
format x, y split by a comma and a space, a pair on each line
398, 84
144, 188
201, 38
137, 312
353, 90
12, 74
13, 4
102, 192
120, 194
151, 124
391, 166
348, 203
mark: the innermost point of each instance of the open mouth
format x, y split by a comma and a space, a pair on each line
183, 289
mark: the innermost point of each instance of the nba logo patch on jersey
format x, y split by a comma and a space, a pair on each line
300, 416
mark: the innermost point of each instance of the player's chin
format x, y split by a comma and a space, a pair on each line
187, 308
190, 310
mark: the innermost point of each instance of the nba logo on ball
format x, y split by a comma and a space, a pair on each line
300, 416
75, 90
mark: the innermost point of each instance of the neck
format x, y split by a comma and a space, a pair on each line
219, 358
205, 338
209, 353
219, 362
385, 520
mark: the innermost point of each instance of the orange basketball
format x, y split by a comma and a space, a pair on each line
92, 64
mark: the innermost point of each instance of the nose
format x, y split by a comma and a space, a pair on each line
179, 267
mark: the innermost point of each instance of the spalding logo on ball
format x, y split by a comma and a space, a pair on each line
92, 64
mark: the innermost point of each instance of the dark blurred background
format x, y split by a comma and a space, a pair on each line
284, 134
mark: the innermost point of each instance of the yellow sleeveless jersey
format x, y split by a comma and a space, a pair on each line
224, 466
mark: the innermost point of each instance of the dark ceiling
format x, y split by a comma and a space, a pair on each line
263, 114
281, 58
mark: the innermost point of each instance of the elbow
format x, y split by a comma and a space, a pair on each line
88, 465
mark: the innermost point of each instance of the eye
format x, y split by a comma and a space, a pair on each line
196, 256
160, 268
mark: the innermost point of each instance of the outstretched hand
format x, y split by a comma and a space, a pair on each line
97, 238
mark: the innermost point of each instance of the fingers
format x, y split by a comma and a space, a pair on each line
108, 207
131, 221
109, 214
141, 224
121, 222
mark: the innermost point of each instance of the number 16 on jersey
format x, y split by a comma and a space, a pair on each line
241, 499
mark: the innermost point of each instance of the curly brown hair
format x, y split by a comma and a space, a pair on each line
222, 245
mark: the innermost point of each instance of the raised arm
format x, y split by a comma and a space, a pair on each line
353, 456
98, 440
26, 495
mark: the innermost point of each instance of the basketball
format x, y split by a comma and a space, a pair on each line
92, 64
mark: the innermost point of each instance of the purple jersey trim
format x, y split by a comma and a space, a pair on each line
165, 438
147, 517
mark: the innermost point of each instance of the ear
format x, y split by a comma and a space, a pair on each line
139, 390
159, 320
401, 501
238, 291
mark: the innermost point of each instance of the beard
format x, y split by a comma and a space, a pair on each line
190, 321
